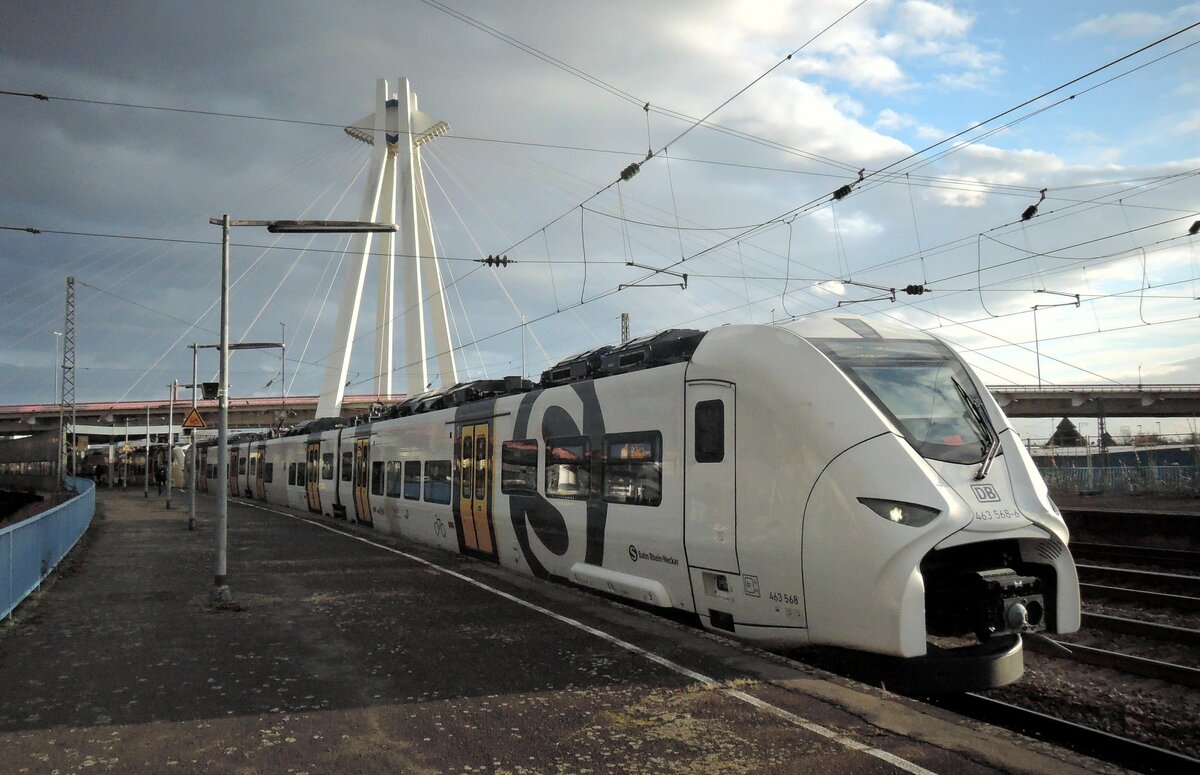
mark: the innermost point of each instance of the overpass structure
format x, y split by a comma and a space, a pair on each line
103, 421
1098, 400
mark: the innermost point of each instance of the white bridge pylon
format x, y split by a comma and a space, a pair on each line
395, 187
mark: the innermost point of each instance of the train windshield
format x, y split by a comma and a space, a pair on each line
922, 386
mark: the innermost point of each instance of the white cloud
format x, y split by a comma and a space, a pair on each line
1136, 24
805, 115
1131, 24
924, 20
889, 119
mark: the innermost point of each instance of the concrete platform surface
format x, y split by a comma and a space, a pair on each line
348, 652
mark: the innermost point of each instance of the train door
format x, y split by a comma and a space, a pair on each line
710, 494
312, 482
343, 483
260, 486
475, 489
362, 480
232, 475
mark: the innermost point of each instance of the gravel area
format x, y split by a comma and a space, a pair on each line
1154, 712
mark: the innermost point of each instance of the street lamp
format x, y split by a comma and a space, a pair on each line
174, 388
221, 592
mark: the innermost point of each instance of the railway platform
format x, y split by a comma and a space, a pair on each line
346, 651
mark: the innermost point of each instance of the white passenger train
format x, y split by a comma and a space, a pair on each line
833, 481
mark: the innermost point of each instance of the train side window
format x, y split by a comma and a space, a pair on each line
253, 467
568, 463
633, 468
377, 477
268, 473
291, 473
437, 481
412, 480
710, 431
241, 466
347, 466
482, 457
301, 474
518, 467
392, 484
327, 465
467, 467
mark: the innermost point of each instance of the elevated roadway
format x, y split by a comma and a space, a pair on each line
1098, 400
106, 419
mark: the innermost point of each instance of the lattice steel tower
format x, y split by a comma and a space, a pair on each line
67, 402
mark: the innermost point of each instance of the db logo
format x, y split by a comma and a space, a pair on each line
986, 493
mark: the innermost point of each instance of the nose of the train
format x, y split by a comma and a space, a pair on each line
871, 517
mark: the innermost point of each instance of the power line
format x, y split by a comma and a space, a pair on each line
825, 199
632, 169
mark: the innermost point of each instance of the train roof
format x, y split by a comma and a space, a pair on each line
676, 345
840, 325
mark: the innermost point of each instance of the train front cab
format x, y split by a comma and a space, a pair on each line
938, 527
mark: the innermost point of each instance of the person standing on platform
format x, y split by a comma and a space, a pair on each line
160, 476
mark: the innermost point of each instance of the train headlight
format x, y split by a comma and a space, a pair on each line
901, 513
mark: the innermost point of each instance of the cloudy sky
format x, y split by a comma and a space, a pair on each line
164, 114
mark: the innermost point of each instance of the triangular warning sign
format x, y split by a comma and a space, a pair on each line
193, 421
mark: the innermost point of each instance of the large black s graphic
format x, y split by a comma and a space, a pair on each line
533, 511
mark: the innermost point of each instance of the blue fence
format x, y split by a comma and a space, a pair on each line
29, 550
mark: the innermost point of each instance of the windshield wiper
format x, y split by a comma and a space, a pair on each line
990, 438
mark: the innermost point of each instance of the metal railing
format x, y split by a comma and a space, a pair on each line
1126, 480
31, 549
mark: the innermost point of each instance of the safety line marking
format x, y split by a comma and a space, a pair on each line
712, 683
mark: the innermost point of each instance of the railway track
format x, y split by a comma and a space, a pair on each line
1126, 663
1179, 559
1141, 596
1161, 632
1108, 747
1177, 583
1146, 702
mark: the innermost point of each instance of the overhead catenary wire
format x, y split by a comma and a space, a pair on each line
597, 260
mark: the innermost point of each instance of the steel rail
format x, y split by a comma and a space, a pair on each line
1126, 663
1154, 599
1161, 632
1122, 751
1175, 558
1179, 584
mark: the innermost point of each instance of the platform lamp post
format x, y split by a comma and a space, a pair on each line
194, 455
221, 592
174, 388
146, 468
